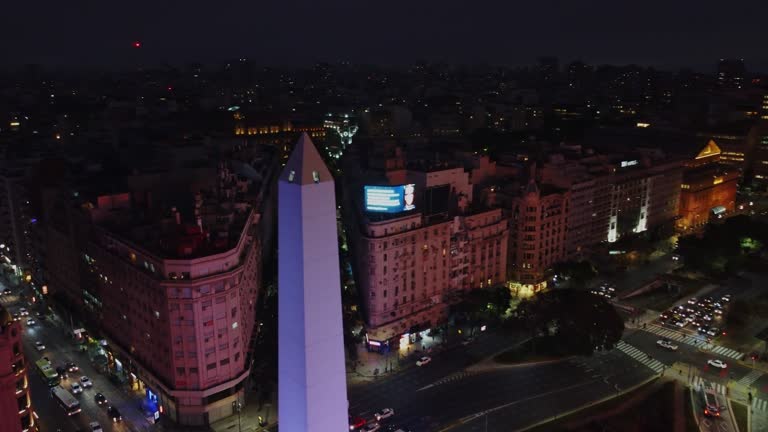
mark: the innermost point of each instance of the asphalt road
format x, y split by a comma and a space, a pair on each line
60, 349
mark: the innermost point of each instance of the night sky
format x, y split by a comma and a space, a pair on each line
667, 33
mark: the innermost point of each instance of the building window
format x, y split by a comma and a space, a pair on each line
180, 371
224, 362
211, 366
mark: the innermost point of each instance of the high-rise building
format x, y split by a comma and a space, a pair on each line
312, 376
172, 289
708, 189
731, 73
16, 413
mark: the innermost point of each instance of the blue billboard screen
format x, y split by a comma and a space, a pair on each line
389, 199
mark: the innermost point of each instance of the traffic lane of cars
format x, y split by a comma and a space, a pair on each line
698, 316
61, 353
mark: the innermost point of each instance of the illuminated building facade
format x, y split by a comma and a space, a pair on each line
172, 290
16, 414
708, 189
312, 376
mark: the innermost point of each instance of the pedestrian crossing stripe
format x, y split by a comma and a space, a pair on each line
695, 341
450, 378
750, 377
719, 388
759, 404
641, 357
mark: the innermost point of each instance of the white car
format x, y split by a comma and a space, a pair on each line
23, 312
423, 361
666, 344
76, 389
717, 363
385, 413
86, 382
372, 427
96, 427
39, 346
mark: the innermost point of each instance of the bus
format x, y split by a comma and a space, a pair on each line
48, 373
66, 400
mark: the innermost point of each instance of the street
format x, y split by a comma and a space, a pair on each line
60, 349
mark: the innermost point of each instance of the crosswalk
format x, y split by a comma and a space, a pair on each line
450, 378
759, 404
751, 377
694, 341
640, 356
699, 383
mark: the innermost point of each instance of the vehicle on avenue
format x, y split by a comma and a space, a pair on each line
356, 423
17, 316
7, 291
86, 382
423, 361
95, 427
49, 375
72, 367
726, 298
372, 427
385, 413
100, 399
23, 312
39, 346
666, 344
713, 331
62, 371
66, 400
717, 363
31, 322
114, 414
76, 388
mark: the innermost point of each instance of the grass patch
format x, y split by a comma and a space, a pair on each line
740, 416
629, 412
533, 350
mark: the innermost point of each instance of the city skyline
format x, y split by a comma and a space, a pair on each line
501, 33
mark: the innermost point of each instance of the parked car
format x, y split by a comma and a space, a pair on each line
423, 361
717, 363
385, 413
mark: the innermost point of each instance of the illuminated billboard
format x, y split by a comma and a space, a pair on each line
389, 199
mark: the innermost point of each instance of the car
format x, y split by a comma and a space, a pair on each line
76, 388
95, 427
86, 382
726, 298
664, 315
39, 346
718, 311
385, 413
40, 314
31, 322
356, 423
100, 399
114, 414
17, 316
713, 331
372, 427
707, 317
717, 363
423, 361
693, 300
62, 371
23, 312
7, 291
72, 367
467, 341
666, 344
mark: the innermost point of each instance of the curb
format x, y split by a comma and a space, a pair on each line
589, 405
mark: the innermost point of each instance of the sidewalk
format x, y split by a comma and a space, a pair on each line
248, 420
371, 365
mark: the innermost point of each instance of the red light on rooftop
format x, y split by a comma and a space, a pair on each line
137, 44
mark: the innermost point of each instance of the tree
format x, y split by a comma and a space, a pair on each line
577, 272
578, 321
